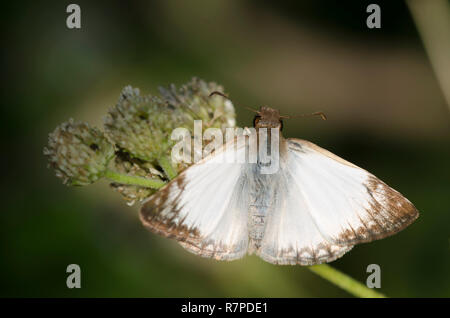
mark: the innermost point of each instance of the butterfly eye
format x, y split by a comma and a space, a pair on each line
256, 120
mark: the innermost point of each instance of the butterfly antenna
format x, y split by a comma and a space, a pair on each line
220, 94
225, 96
321, 114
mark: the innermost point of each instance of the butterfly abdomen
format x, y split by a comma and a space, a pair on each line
256, 226
261, 195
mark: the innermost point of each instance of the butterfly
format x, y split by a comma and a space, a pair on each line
312, 210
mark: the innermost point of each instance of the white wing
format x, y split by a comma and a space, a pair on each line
205, 207
325, 205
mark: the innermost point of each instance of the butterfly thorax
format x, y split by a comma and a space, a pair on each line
268, 118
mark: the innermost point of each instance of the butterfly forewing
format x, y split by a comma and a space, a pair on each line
205, 207
364, 206
326, 205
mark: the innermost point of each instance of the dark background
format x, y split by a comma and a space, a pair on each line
386, 114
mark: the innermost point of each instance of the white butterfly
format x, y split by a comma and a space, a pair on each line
314, 209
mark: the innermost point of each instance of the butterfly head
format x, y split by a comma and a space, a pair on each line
267, 117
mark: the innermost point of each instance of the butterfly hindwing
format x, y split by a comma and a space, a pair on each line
291, 235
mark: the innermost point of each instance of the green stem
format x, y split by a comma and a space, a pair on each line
345, 282
133, 180
166, 165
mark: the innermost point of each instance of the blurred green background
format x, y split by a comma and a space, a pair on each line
386, 113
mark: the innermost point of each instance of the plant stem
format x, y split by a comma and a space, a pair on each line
345, 282
432, 19
133, 180
166, 165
